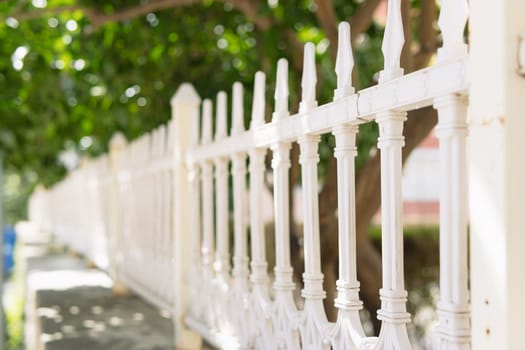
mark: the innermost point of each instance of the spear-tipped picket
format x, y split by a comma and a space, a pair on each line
344, 63
452, 20
281, 91
309, 79
220, 127
393, 42
206, 122
237, 109
259, 99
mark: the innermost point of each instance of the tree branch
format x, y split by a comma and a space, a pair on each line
327, 19
328, 22
427, 34
362, 18
407, 59
140, 10
98, 18
250, 9
48, 11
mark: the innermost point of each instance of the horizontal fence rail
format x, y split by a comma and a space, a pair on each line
155, 212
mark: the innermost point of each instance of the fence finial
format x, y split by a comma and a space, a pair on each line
281, 90
206, 122
220, 129
117, 141
185, 97
185, 94
309, 79
259, 99
452, 20
237, 109
344, 63
393, 42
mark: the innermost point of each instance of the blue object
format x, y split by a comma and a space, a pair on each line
9, 248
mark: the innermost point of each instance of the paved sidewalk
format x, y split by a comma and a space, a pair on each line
70, 306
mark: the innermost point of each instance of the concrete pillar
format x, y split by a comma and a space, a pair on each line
497, 175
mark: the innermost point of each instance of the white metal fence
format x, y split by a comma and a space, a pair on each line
136, 210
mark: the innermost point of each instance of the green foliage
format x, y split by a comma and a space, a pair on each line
14, 309
67, 84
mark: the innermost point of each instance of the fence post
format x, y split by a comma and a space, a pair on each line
116, 145
496, 172
184, 108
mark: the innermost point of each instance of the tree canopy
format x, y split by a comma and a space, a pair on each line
74, 72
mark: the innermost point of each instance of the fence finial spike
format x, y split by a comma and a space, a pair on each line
118, 140
259, 99
237, 109
452, 20
206, 122
281, 90
186, 94
393, 42
309, 79
344, 63
220, 130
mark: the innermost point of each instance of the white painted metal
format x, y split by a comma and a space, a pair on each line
392, 42
285, 315
281, 91
348, 331
241, 271
414, 90
393, 334
196, 278
452, 20
309, 80
207, 217
313, 320
393, 295
258, 302
222, 260
174, 211
344, 63
453, 331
